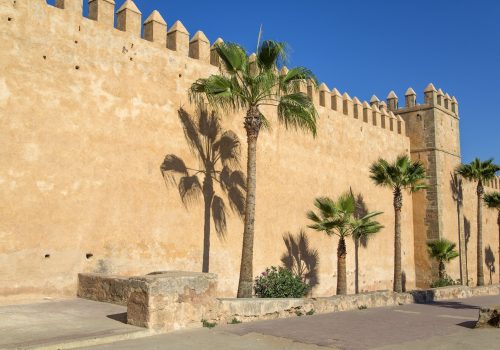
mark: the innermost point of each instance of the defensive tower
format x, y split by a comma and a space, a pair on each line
433, 129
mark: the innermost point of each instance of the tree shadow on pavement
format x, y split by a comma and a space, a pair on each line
453, 305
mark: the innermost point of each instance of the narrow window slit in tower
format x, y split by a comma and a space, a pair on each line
89, 255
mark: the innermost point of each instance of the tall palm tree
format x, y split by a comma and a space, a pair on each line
337, 218
217, 152
402, 174
492, 200
249, 83
443, 251
479, 171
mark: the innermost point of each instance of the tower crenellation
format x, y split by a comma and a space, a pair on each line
347, 104
128, 18
155, 28
392, 101
102, 11
199, 47
72, 6
178, 38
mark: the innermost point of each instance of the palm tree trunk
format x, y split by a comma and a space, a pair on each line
398, 204
356, 262
252, 127
208, 195
461, 235
480, 273
442, 269
341, 268
498, 222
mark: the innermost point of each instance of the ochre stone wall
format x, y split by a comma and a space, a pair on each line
87, 114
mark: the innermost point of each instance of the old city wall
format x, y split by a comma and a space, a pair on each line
88, 112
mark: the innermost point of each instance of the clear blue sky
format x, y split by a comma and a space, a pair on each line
372, 47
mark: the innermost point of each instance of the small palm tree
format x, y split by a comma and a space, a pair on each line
337, 218
492, 200
443, 251
218, 156
250, 83
479, 171
403, 174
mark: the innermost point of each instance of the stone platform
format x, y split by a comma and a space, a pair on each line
175, 300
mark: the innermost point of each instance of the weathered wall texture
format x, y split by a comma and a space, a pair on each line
87, 114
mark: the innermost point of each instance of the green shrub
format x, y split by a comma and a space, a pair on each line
278, 282
299, 313
208, 324
443, 282
310, 312
362, 307
234, 321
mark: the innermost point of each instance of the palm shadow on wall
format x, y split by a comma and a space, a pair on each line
489, 259
467, 235
361, 211
458, 195
218, 154
300, 258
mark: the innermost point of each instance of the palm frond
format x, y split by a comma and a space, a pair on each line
233, 56
222, 93
289, 83
297, 111
403, 173
442, 249
492, 200
271, 54
478, 170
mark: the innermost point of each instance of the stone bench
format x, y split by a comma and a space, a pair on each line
161, 300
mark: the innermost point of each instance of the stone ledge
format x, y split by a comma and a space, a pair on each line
104, 288
174, 300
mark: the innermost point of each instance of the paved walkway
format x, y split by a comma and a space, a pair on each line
442, 325
68, 321
80, 323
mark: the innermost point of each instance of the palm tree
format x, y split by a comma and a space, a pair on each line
403, 174
218, 154
443, 251
250, 83
492, 200
337, 218
479, 171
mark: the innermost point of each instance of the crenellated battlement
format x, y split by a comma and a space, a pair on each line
431, 98
494, 183
373, 113
129, 18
